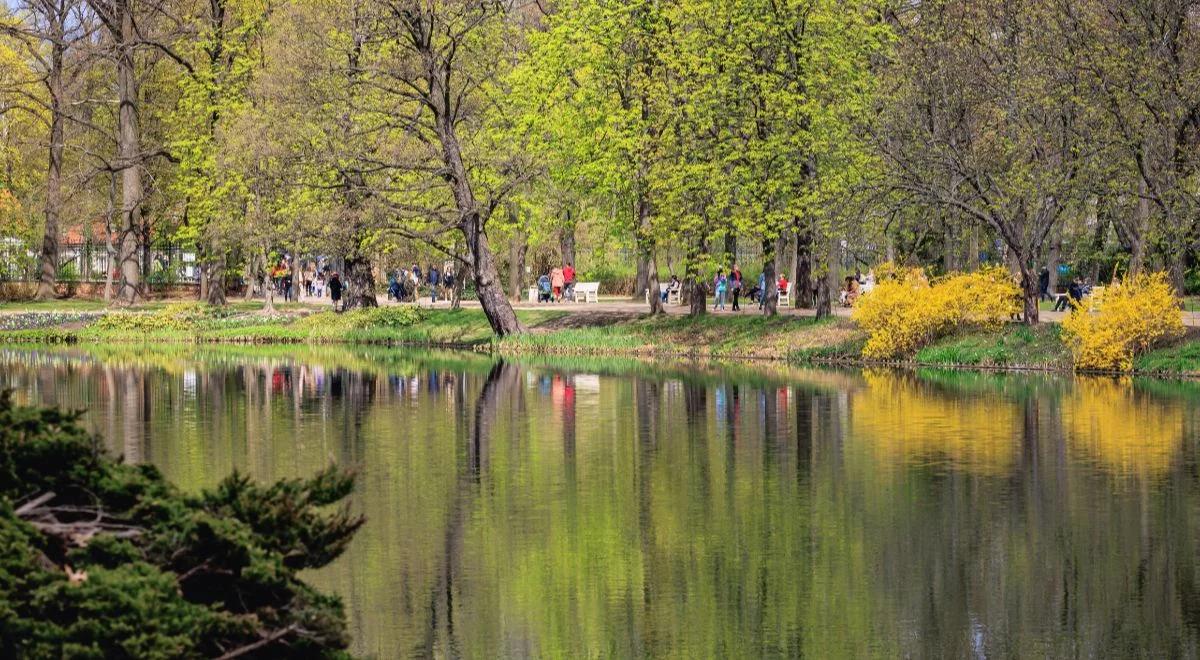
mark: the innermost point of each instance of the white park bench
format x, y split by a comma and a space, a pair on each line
674, 296
587, 292
785, 296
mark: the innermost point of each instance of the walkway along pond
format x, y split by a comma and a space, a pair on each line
619, 508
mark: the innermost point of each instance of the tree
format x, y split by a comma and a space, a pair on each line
436, 72
1140, 67
985, 120
51, 31
214, 574
216, 45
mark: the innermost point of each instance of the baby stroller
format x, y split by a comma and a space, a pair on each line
544, 294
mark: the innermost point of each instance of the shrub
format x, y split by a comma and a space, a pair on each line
175, 316
1137, 313
103, 559
907, 311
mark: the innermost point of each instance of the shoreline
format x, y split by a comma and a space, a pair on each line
793, 341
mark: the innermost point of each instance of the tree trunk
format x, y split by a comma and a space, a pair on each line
214, 275
1054, 258
697, 294
770, 292
1029, 290
730, 248
48, 266
973, 248
1097, 248
828, 282
803, 288
249, 277
518, 248
566, 240
360, 282
824, 301
495, 305
646, 256
950, 247
641, 282
129, 156
1141, 227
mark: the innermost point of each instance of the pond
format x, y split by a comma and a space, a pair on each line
614, 508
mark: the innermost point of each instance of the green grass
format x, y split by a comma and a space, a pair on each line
1180, 358
1013, 345
706, 336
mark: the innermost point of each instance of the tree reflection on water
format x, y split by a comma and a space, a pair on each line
617, 509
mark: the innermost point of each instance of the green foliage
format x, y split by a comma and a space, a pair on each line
174, 316
1180, 358
1010, 346
116, 562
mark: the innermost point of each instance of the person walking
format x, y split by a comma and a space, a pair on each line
720, 285
569, 281
335, 290
735, 284
1044, 285
557, 280
762, 289
435, 278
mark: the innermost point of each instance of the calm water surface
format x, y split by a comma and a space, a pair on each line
616, 509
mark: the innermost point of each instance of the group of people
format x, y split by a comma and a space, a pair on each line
317, 280
1076, 289
729, 287
406, 284
856, 285
557, 285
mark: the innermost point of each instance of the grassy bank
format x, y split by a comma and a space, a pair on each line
580, 333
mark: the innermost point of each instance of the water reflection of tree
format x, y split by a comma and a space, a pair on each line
649, 520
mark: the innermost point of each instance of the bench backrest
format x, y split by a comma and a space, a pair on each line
587, 287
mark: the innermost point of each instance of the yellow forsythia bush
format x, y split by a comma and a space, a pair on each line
903, 314
1135, 314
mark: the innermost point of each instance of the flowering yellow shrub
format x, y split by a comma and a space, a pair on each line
903, 314
1135, 314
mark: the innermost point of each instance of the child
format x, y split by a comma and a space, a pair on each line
720, 284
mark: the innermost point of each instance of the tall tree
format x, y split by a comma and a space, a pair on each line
985, 121
51, 31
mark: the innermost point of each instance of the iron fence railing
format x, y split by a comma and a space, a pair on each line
90, 261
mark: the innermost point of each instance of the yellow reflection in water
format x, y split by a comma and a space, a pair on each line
907, 421
1125, 432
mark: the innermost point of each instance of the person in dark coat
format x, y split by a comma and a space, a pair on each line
1044, 285
335, 290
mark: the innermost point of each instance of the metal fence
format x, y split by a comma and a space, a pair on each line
90, 261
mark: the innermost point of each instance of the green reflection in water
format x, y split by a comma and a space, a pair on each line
618, 508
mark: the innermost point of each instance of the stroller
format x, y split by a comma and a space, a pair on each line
544, 294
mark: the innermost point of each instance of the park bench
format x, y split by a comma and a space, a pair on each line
785, 296
674, 296
1095, 298
587, 292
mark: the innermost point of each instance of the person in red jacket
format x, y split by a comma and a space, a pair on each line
569, 278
